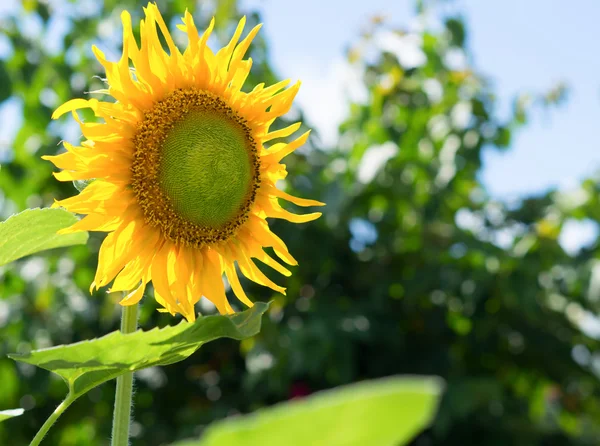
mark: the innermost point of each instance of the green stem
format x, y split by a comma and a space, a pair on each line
52, 418
122, 412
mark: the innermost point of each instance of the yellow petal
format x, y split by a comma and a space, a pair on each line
259, 229
274, 210
160, 279
135, 296
234, 281
212, 279
276, 154
286, 131
250, 270
179, 279
73, 104
138, 267
296, 200
94, 222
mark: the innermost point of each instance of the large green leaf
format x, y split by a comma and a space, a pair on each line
384, 412
6, 414
87, 364
34, 230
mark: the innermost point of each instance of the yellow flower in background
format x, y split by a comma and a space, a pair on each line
183, 182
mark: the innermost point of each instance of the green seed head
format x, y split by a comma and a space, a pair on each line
205, 170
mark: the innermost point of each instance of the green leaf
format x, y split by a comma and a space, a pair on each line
503, 137
457, 31
11, 413
87, 364
388, 411
34, 230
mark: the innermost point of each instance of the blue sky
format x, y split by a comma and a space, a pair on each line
520, 45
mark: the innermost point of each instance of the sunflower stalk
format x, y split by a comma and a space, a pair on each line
124, 392
52, 419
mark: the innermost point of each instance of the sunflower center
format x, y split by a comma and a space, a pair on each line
196, 168
205, 168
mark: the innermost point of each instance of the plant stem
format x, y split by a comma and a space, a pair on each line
122, 412
52, 419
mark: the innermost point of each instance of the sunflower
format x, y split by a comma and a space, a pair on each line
182, 180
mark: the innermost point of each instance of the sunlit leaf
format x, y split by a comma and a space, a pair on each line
388, 411
456, 27
11, 413
84, 365
34, 230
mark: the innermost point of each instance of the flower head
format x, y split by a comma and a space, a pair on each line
182, 180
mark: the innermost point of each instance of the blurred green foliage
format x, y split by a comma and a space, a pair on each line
413, 269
